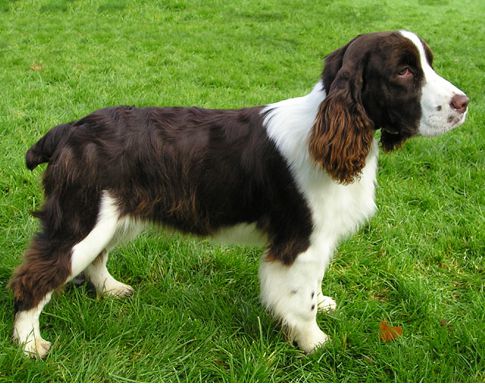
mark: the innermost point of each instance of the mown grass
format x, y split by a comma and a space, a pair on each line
195, 315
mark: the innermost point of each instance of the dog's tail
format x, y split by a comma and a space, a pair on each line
42, 151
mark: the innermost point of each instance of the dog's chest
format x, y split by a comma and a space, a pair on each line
338, 210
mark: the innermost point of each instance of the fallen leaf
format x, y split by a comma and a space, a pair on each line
389, 333
36, 67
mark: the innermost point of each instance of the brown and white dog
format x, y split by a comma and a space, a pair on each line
300, 174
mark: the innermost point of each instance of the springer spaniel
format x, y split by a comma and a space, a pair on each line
300, 174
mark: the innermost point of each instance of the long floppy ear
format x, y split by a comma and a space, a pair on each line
342, 133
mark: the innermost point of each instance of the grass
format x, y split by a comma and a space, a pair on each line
195, 315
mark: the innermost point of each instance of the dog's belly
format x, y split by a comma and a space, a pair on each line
242, 234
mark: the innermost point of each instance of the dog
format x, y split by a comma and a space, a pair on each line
298, 174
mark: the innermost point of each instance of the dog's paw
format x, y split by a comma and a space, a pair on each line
326, 304
35, 347
311, 340
114, 288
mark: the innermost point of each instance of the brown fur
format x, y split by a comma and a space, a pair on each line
200, 171
364, 94
221, 169
39, 275
341, 137
342, 133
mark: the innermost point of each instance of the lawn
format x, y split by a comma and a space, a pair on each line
195, 315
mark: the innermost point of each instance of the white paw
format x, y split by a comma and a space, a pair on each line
27, 334
311, 340
35, 347
116, 289
326, 304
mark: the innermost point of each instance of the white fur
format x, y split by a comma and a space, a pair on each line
105, 284
337, 209
26, 324
26, 330
290, 294
326, 304
293, 293
127, 229
437, 114
84, 252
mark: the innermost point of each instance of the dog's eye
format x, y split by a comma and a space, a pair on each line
405, 73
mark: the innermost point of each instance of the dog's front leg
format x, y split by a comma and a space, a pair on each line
290, 293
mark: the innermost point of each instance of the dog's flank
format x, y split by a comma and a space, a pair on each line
302, 172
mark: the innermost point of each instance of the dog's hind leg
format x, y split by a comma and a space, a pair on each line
105, 284
46, 267
97, 272
27, 330
88, 249
51, 262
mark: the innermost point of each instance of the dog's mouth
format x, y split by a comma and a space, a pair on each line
456, 120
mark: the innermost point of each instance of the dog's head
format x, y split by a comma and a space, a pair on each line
380, 80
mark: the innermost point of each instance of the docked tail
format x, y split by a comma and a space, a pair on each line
42, 151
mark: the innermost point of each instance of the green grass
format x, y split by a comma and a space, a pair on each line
195, 315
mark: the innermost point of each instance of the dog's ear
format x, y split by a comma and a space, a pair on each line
342, 133
333, 63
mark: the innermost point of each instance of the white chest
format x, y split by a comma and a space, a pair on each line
338, 210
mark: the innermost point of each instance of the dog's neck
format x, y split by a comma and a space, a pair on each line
289, 124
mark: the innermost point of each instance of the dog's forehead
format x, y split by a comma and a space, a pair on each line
393, 48
381, 44
413, 38
423, 49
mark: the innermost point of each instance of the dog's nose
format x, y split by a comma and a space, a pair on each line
459, 103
